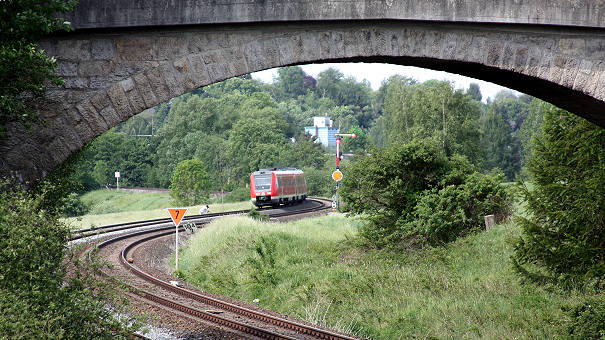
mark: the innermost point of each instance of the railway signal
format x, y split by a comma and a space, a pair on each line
337, 175
176, 214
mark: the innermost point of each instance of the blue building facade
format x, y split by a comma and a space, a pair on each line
322, 128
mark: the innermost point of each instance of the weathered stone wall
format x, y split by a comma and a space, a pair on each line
129, 13
112, 75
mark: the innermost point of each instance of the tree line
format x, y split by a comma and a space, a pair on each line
242, 124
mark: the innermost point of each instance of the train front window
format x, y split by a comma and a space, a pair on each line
262, 182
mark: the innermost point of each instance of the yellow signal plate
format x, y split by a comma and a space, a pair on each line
337, 175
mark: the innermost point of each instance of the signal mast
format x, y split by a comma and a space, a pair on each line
337, 175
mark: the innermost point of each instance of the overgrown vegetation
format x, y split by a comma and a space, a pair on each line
413, 194
25, 69
313, 269
39, 297
563, 238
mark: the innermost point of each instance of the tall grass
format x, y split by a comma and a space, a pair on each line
312, 269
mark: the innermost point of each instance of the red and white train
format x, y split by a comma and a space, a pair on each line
277, 186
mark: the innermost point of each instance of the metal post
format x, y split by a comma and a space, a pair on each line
176, 249
337, 152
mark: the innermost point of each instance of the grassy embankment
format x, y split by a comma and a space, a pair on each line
312, 270
111, 206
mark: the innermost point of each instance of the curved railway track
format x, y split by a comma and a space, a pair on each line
156, 289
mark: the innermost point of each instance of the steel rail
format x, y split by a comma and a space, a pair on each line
252, 314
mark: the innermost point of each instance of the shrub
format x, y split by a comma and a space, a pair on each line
413, 194
37, 297
443, 215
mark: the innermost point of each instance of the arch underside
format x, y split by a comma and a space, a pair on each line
113, 75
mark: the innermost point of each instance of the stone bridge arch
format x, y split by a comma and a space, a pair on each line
112, 75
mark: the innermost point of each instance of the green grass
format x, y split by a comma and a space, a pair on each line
113, 201
111, 207
311, 269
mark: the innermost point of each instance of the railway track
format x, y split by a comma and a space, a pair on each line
156, 289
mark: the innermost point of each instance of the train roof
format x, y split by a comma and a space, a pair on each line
278, 171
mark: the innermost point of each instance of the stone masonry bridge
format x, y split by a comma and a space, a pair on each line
129, 55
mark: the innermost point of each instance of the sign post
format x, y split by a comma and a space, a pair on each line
117, 174
176, 214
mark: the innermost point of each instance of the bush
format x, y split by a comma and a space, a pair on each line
413, 195
38, 300
441, 216
563, 236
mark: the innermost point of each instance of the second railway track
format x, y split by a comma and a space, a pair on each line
154, 287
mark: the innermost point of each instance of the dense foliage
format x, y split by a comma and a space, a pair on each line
413, 194
38, 299
242, 124
190, 183
24, 67
564, 235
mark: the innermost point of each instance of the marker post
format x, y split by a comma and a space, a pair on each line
176, 214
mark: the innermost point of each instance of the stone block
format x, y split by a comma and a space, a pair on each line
99, 82
135, 99
556, 68
94, 68
271, 52
464, 44
478, 50
199, 68
120, 101
172, 79
134, 48
545, 65
103, 49
490, 221
67, 68
171, 47
145, 90
570, 70
96, 123
582, 78
379, 41
254, 56
75, 83
595, 48
592, 87
434, 44
521, 56
111, 116
100, 100
417, 42
507, 58
533, 61
237, 61
494, 53
448, 50
571, 46
187, 77
393, 44
72, 49
157, 84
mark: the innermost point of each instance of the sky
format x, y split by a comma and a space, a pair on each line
376, 73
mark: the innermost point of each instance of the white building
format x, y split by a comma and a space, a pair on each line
322, 128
